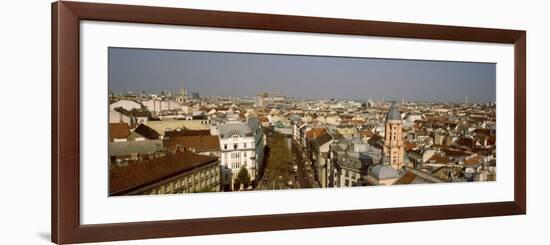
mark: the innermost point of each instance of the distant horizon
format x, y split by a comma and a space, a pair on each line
299, 76
313, 99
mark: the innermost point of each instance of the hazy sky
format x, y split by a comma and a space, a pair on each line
245, 74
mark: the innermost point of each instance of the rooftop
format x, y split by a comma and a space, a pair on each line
198, 142
118, 131
382, 172
141, 174
147, 132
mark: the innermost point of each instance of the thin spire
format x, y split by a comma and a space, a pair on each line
182, 89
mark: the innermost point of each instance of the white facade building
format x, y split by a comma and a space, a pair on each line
118, 117
126, 105
242, 144
155, 106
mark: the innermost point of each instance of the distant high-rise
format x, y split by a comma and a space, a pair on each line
183, 92
195, 95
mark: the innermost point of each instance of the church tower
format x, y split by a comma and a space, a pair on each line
393, 143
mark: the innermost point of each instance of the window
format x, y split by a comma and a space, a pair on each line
244, 145
235, 155
235, 146
225, 146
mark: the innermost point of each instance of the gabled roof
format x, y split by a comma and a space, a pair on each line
147, 132
438, 158
415, 176
118, 131
323, 139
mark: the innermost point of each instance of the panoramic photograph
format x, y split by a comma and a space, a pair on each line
203, 121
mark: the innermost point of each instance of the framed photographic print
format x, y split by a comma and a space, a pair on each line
178, 122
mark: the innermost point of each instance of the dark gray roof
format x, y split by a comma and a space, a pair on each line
245, 129
147, 132
381, 172
226, 130
393, 113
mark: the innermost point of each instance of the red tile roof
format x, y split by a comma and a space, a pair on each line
409, 146
141, 174
118, 131
472, 161
366, 133
437, 158
197, 143
408, 178
315, 132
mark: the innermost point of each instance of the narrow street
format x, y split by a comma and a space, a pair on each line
285, 168
278, 173
300, 161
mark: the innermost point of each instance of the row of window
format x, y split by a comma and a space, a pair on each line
235, 146
235, 165
350, 174
236, 156
190, 183
186, 186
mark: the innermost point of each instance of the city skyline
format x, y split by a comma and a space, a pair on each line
305, 77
